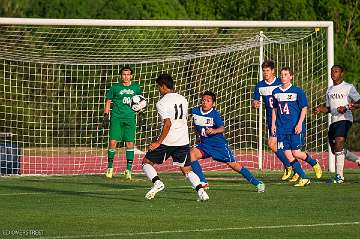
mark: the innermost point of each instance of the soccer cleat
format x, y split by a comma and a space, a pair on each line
202, 195
260, 187
287, 173
158, 186
303, 182
358, 162
338, 179
109, 173
317, 170
127, 174
205, 185
294, 178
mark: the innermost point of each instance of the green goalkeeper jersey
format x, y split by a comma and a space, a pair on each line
120, 97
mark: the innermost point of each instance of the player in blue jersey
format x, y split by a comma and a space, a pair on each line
288, 123
209, 127
263, 89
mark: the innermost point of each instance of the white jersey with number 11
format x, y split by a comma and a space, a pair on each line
174, 107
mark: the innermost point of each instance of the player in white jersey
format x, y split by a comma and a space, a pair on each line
341, 99
173, 140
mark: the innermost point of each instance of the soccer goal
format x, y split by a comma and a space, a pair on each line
54, 74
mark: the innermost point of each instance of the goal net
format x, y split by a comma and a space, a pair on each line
54, 77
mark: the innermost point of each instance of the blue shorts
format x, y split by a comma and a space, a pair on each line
339, 129
220, 153
290, 141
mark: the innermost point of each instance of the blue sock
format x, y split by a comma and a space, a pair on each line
281, 155
310, 160
297, 168
248, 176
198, 171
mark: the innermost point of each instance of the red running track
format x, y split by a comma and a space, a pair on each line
71, 165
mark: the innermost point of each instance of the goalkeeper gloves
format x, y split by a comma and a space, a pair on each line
106, 121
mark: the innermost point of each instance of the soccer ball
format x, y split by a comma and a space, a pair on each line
138, 103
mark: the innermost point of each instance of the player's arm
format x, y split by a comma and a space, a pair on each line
273, 121
355, 97
106, 118
256, 103
107, 106
218, 127
354, 105
218, 130
164, 132
321, 109
298, 127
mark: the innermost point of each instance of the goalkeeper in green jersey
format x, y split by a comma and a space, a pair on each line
122, 119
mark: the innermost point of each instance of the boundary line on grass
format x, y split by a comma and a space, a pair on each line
54, 192
201, 230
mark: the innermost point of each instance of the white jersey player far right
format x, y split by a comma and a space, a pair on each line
341, 99
342, 95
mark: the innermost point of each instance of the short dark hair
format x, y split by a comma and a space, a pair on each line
287, 69
126, 68
165, 79
209, 93
268, 64
338, 66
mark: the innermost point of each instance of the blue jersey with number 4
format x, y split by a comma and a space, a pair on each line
205, 120
288, 103
264, 89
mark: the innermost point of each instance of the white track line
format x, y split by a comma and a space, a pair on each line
203, 230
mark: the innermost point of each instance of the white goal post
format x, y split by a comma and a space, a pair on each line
54, 74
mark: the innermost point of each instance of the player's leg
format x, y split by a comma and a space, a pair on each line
285, 143
339, 131
181, 157
247, 175
115, 135
340, 159
111, 156
352, 157
304, 179
272, 142
195, 182
223, 154
154, 157
129, 159
298, 141
195, 155
129, 131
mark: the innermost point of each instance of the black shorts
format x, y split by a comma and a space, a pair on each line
339, 129
180, 155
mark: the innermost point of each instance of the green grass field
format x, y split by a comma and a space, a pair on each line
94, 207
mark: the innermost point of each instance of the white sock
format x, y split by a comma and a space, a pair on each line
193, 178
340, 158
149, 171
351, 157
